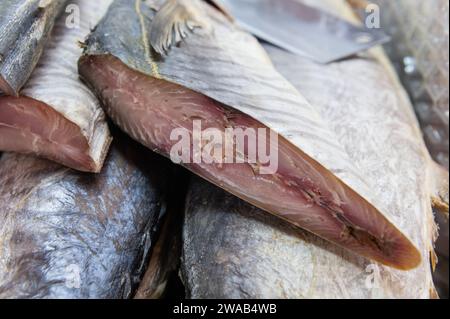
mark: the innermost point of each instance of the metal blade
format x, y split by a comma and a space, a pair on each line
302, 29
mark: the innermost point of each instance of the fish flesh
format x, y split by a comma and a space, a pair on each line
246, 254
221, 76
25, 27
56, 116
420, 52
66, 234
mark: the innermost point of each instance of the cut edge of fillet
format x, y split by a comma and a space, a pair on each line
29, 126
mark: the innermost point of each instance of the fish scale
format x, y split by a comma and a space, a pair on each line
420, 51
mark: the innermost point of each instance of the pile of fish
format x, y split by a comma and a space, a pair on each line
347, 213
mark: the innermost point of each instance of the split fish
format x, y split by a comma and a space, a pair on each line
56, 116
241, 252
221, 76
66, 234
25, 27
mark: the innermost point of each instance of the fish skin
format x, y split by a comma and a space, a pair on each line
334, 211
242, 252
56, 116
56, 222
423, 36
246, 254
420, 53
25, 28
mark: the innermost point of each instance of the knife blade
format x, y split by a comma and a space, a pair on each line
302, 29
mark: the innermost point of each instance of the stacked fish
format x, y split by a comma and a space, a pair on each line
347, 213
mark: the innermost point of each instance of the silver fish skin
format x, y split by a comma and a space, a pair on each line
25, 28
65, 234
222, 75
241, 253
57, 117
420, 52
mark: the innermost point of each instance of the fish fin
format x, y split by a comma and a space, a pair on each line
440, 186
173, 22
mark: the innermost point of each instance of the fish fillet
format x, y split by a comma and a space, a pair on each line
25, 27
65, 234
221, 76
246, 254
56, 116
